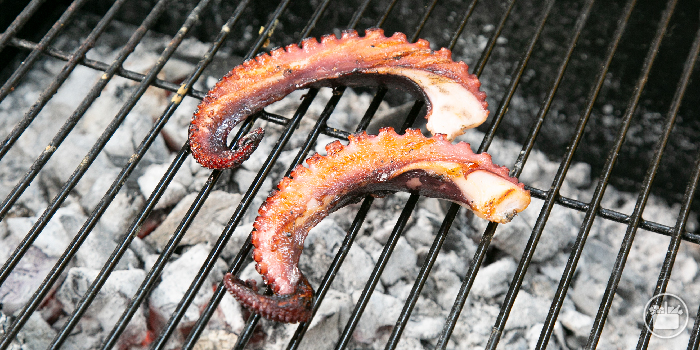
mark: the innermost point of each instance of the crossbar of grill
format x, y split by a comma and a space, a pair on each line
551, 197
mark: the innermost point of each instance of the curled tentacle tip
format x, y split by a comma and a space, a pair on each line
290, 308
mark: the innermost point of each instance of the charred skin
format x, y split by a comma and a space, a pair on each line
375, 165
452, 94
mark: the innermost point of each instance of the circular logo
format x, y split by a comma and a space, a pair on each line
666, 315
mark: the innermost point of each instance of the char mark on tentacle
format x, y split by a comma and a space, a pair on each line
374, 165
454, 101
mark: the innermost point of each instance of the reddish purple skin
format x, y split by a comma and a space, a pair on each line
350, 60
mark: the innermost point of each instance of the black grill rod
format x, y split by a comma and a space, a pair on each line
515, 82
359, 218
386, 252
376, 273
243, 206
635, 218
149, 282
434, 251
80, 237
695, 333
253, 320
485, 241
56, 83
123, 246
58, 200
247, 332
92, 155
529, 251
120, 180
28, 62
101, 66
613, 215
577, 248
422, 277
460, 29
325, 285
44, 98
19, 22
675, 244
481, 63
215, 252
344, 249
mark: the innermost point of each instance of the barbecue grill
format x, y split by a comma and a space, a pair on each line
578, 59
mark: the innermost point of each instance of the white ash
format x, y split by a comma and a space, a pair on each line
482, 307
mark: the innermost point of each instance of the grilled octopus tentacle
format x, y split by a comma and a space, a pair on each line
451, 93
375, 165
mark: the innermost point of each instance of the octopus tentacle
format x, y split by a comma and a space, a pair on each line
291, 308
451, 93
375, 165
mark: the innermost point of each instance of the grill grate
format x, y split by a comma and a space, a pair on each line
551, 196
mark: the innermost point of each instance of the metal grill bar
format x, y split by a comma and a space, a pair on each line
480, 253
101, 66
104, 203
386, 252
349, 238
376, 273
564, 201
626, 245
675, 244
614, 215
554, 188
680, 223
43, 100
58, 81
253, 320
85, 104
124, 244
577, 248
169, 249
19, 22
28, 62
551, 197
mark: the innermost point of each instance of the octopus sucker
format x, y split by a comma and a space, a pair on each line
453, 99
367, 165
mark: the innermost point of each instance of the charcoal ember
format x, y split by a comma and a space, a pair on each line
120, 214
207, 225
176, 190
36, 262
320, 247
528, 310
401, 265
355, 271
329, 321
422, 232
380, 315
447, 284
175, 280
560, 232
105, 310
216, 340
36, 333
424, 328
62, 165
578, 323
493, 279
